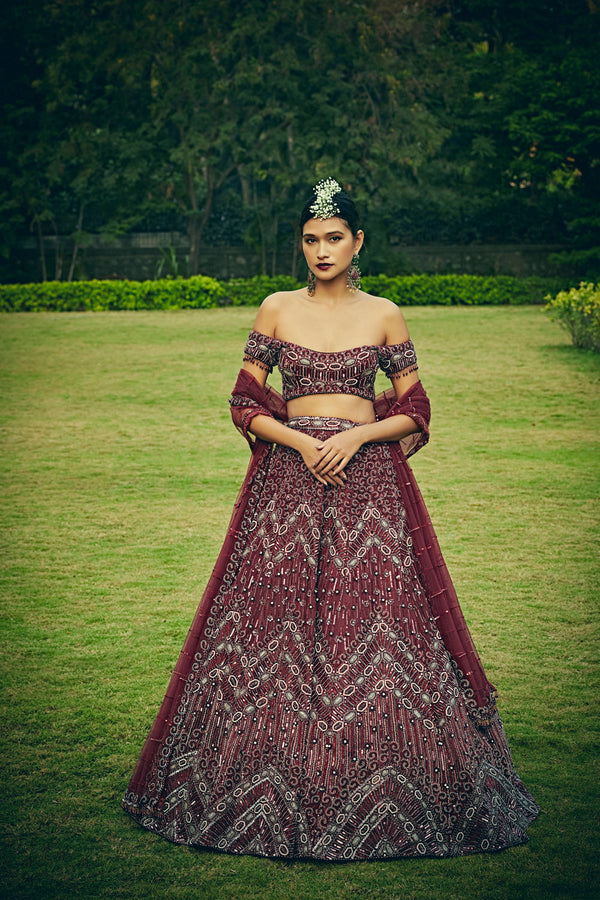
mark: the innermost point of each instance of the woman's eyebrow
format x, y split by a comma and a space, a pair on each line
329, 233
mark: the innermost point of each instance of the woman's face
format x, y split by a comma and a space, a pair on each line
329, 246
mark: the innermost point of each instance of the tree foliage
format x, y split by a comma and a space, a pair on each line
447, 120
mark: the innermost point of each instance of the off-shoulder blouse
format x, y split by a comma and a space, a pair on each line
305, 372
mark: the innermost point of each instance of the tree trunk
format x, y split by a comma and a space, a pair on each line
58, 256
58, 260
76, 242
274, 247
197, 219
246, 192
42, 248
263, 241
195, 229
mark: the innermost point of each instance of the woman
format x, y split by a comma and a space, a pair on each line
329, 702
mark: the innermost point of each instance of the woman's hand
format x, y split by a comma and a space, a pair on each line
328, 459
311, 451
337, 451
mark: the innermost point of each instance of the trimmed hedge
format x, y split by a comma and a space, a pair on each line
460, 290
202, 292
252, 291
199, 292
578, 310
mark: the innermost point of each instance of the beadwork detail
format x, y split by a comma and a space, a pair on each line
305, 371
354, 275
323, 716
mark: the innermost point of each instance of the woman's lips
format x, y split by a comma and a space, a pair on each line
324, 266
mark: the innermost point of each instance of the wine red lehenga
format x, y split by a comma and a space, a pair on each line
329, 702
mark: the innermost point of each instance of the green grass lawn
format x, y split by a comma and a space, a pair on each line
119, 470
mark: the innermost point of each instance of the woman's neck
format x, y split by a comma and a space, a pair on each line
333, 293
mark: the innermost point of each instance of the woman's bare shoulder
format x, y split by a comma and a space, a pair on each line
269, 313
391, 318
276, 299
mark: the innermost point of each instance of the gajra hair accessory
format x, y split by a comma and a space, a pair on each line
324, 206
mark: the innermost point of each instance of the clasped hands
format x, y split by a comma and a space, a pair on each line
326, 460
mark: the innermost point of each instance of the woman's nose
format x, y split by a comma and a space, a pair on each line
323, 251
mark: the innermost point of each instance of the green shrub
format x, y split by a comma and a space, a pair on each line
578, 310
252, 291
459, 290
198, 292
202, 292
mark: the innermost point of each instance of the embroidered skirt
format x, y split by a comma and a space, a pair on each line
321, 715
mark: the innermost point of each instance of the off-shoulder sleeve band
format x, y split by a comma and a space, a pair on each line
396, 359
262, 350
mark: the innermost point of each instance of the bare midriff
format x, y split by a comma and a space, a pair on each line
339, 406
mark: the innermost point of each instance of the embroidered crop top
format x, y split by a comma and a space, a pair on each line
305, 372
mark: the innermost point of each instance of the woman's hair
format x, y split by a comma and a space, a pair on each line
345, 205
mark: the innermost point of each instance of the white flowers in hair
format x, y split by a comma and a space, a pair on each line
324, 206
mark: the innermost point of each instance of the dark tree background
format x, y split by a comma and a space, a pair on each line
449, 121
